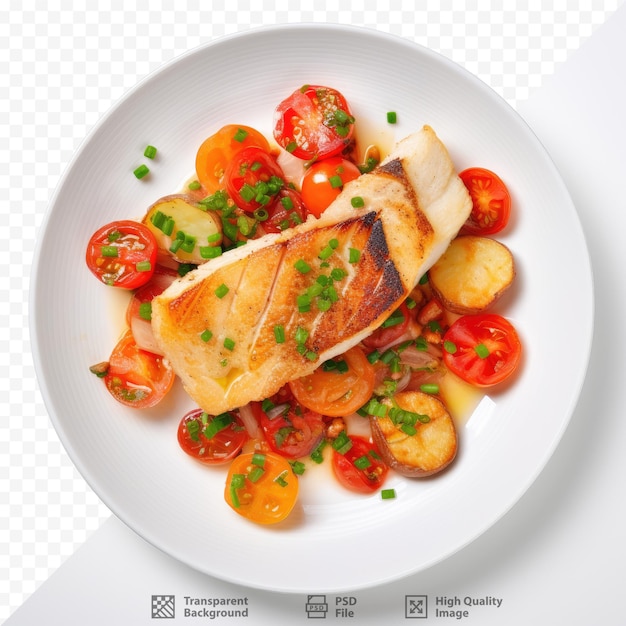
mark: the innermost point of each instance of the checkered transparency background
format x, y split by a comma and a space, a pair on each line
60, 71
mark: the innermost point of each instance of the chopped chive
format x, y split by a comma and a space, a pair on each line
150, 152
255, 474
214, 237
206, 335
429, 388
342, 443
362, 462
325, 253
143, 266
217, 424
392, 117
408, 429
357, 202
297, 467
302, 334
221, 291
261, 215
141, 171
114, 236
317, 455
279, 333
355, 255
240, 135
210, 252
287, 203
280, 479
388, 494
481, 350
304, 303
302, 266
194, 185
229, 344
109, 251
145, 311
335, 181
449, 346
410, 303
291, 146
258, 459
267, 405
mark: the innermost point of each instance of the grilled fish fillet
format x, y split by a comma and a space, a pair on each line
253, 299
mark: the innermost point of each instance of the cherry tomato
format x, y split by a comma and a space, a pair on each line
338, 387
482, 349
361, 467
314, 122
261, 487
324, 181
287, 211
253, 179
218, 150
291, 430
490, 199
122, 254
135, 377
212, 440
391, 329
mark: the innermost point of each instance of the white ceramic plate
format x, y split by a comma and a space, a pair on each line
131, 459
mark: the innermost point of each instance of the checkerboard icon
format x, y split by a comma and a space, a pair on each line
163, 607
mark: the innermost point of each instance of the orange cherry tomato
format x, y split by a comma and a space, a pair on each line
218, 150
324, 181
338, 387
491, 202
211, 439
261, 487
135, 377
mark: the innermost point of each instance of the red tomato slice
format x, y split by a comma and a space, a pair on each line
253, 179
314, 122
339, 387
391, 330
218, 150
261, 487
482, 349
212, 440
490, 199
324, 181
287, 211
122, 254
135, 377
360, 468
290, 429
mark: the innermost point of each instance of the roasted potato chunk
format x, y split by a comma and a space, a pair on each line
417, 437
183, 230
472, 274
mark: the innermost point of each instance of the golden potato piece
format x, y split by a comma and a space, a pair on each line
472, 274
420, 443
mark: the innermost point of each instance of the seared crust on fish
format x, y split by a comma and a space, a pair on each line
279, 306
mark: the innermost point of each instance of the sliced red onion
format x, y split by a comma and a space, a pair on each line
249, 420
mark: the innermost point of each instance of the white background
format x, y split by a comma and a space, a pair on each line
60, 71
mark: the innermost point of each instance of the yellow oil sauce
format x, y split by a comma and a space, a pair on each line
460, 397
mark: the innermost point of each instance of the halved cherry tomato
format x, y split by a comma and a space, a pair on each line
391, 329
261, 487
218, 150
135, 377
122, 254
491, 201
253, 179
361, 467
291, 430
482, 349
210, 439
338, 387
324, 181
314, 122
287, 211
